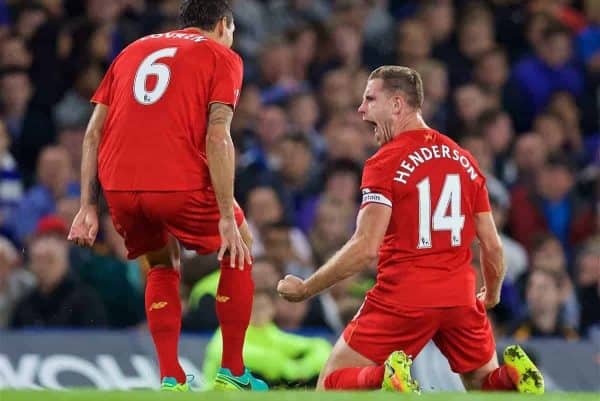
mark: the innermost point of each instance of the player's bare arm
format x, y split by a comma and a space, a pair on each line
221, 164
357, 254
491, 257
85, 224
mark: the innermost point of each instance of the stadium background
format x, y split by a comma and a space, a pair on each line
515, 82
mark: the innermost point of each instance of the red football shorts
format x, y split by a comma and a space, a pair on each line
145, 219
462, 333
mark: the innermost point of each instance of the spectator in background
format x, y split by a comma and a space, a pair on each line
552, 130
537, 77
70, 138
116, 280
15, 281
331, 229
59, 299
342, 182
345, 141
515, 255
435, 86
14, 53
11, 187
544, 301
15, 94
299, 178
548, 254
491, 71
282, 359
438, 16
496, 129
258, 163
277, 78
588, 280
413, 44
470, 101
347, 42
304, 40
529, 156
75, 108
562, 104
277, 242
247, 114
28, 122
588, 40
562, 11
336, 92
553, 206
54, 181
303, 113
476, 35
263, 207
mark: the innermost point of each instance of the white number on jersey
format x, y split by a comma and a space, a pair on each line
150, 67
441, 222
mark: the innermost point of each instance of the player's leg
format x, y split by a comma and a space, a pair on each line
196, 227
145, 236
373, 352
163, 312
234, 304
467, 340
348, 369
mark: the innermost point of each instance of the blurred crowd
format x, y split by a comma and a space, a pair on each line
517, 83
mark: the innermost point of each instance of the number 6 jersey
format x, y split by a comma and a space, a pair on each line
158, 91
434, 188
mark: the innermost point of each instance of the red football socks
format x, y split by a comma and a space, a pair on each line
163, 310
500, 380
366, 378
234, 305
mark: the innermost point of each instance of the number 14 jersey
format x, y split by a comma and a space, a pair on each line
434, 188
158, 91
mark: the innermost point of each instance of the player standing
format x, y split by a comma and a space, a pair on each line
159, 144
424, 202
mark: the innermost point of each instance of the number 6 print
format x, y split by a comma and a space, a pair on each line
150, 67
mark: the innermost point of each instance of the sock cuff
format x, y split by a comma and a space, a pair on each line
164, 273
226, 260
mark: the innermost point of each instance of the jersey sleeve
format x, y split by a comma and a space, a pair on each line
482, 199
377, 179
227, 79
104, 92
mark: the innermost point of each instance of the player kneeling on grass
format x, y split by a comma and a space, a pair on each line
424, 202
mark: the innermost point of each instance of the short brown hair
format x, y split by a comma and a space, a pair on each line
398, 78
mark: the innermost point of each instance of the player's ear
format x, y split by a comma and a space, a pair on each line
397, 104
220, 28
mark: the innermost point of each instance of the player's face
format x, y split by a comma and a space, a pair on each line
377, 108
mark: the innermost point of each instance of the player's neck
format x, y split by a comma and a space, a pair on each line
208, 34
410, 123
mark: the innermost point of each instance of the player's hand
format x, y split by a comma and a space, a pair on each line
488, 300
231, 240
292, 288
85, 226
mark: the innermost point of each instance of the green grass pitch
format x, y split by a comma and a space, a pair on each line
91, 395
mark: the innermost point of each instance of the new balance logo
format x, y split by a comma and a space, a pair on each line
222, 298
157, 305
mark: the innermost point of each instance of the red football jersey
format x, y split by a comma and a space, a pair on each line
158, 92
434, 188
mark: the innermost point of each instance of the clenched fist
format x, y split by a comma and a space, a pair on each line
292, 288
